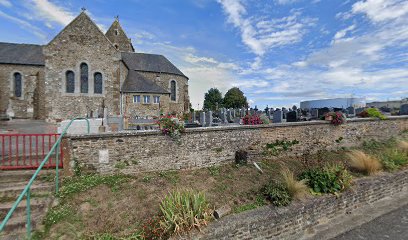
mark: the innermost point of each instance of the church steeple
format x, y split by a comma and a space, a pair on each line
118, 37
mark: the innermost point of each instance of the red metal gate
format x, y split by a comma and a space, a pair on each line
26, 151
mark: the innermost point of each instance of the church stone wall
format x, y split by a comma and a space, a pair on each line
81, 41
142, 109
182, 89
28, 105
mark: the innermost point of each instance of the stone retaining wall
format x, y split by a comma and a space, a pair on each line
204, 147
292, 221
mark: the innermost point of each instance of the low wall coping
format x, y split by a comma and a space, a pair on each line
224, 128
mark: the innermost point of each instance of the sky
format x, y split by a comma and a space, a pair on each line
278, 52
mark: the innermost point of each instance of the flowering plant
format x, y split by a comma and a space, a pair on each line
171, 126
251, 120
336, 118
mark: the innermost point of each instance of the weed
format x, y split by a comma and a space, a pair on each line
277, 193
245, 207
393, 159
57, 214
135, 162
296, 189
49, 177
171, 176
121, 165
279, 146
363, 162
184, 210
338, 140
372, 145
218, 149
147, 178
330, 179
214, 170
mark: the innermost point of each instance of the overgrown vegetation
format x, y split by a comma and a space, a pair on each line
364, 163
277, 193
329, 179
394, 159
372, 113
183, 210
279, 146
297, 190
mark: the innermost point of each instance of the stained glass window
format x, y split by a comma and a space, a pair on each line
17, 85
98, 83
70, 82
84, 78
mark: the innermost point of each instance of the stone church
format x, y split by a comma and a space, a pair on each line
81, 70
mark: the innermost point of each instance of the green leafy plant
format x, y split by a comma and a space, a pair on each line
330, 179
393, 159
184, 210
372, 113
277, 193
214, 170
57, 214
171, 176
279, 146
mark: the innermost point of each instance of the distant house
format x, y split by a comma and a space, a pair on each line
333, 103
388, 104
80, 69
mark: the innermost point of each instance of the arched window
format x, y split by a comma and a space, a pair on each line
69, 82
98, 83
173, 90
84, 77
18, 84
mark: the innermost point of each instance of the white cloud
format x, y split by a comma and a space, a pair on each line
6, 3
262, 34
381, 10
49, 12
284, 2
195, 59
25, 25
342, 33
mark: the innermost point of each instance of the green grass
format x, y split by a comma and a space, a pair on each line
394, 159
171, 176
214, 170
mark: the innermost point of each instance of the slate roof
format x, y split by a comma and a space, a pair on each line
137, 83
24, 54
149, 63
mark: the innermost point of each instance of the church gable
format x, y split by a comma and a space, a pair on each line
118, 37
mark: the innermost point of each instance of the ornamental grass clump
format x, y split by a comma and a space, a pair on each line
297, 189
171, 126
182, 211
364, 163
403, 146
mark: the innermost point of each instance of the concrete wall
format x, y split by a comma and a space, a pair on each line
30, 104
291, 222
203, 147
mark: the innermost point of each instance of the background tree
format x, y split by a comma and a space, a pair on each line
211, 98
235, 98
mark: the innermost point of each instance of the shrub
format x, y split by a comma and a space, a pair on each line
277, 193
170, 125
296, 189
251, 120
364, 163
393, 159
330, 179
337, 118
183, 211
373, 113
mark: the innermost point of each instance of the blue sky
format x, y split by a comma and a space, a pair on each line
278, 52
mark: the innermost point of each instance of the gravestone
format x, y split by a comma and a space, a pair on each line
359, 110
351, 111
292, 116
209, 119
404, 109
229, 116
193, 117
284, 111
322, 112
202, 119
277, 116
314, 113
